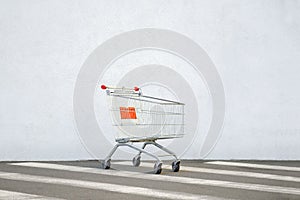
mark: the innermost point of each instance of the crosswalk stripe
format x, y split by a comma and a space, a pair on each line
257, 166
5, 194
225, 172
154, 193
184, 180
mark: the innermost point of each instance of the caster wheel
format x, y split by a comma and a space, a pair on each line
176, 166
136, 161
157, 168
106, 164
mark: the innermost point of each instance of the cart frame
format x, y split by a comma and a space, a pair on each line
135, 93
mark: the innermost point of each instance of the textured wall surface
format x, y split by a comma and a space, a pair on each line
234, 63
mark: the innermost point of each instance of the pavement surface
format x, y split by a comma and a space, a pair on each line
195, 180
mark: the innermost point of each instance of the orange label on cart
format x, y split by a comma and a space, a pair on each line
127, 113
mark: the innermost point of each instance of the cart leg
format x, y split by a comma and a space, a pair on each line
158, 164
164, 149
136, 161
106, 162
175, 163
142, 151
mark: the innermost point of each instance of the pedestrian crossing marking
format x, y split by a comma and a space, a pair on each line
224, 172
154, 193
257, 166
5, 194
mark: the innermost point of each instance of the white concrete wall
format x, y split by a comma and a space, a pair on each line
254, 45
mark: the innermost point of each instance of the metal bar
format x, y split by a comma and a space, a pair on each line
176, 102
144, 146
143, 151
139, 98
133, 147
112, 152
146, 124
151, 112
165, 149
160, 147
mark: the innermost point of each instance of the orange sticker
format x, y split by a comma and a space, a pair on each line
127, 113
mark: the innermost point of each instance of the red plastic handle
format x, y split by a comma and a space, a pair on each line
104, 87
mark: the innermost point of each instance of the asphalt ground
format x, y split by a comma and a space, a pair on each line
195, 180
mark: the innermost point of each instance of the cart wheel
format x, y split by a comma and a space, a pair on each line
157, 167
136, 161
176, 166
106, 164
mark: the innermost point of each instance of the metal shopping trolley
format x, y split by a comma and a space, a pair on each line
145, 119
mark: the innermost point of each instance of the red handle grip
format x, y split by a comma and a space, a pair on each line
104, 87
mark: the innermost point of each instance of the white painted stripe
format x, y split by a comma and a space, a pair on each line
5, 194
184, 180
257, 166
225, 172
104, 186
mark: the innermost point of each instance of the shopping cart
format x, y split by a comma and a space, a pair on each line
140, 118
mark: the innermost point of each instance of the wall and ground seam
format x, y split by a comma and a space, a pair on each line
235, 64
